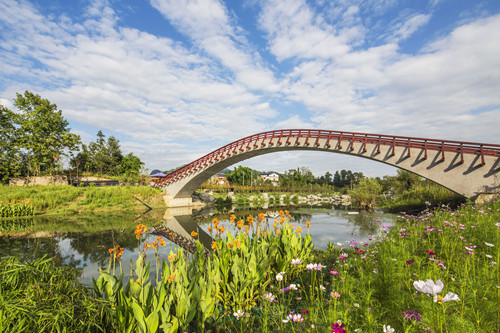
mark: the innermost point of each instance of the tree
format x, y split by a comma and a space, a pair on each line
9, 151
114, 156
240, 176
366, 193
406, 180
43, 133
131, 165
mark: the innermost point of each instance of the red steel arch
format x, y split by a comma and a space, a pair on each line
291, 137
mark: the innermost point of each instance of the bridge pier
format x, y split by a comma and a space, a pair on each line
177, 202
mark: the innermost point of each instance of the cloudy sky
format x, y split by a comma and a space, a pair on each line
174, 80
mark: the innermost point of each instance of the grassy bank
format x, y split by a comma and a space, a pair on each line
70, 199
419, 198
436, 272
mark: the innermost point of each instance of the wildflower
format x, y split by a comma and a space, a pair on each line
237, 243
488, 256
270, 297
489, 244
429, 287
159, 239
322, 288
232, 218
298, 230
338, 327
343, 256
335, 294
238, 314
410, 262
111, 250
388, 329
214, 246
334, 272
431, 252
120, 253
215, 222
293, 287
449, 297
308, 224
297, 261
171, 278
356, 305
296, 317
314, 267
279, 277
304, 311
412, 315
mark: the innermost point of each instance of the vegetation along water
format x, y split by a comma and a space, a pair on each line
436, 272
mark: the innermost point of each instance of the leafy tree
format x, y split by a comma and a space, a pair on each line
131, 165
366, 193
43, 133
115, 156
406, 180
240, 176
9, 151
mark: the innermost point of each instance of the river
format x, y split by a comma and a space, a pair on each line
84, 241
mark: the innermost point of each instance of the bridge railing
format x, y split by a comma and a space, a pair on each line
335, 140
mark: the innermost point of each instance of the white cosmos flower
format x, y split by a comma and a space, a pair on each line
388, 329
270, 297
489, 244
429, 287
279, 277
238, 314
296, 261
449, 297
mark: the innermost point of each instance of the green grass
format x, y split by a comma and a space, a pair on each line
63, 199
419, 198
42, 297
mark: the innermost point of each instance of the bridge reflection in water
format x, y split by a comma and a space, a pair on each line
177, 227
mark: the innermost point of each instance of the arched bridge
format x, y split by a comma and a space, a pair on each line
467, 168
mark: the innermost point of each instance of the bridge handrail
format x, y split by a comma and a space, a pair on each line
336, 138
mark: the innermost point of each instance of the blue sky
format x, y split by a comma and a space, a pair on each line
174, 80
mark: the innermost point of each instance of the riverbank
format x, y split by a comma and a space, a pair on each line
81, 200
436, 272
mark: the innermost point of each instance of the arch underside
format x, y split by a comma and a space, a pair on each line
463, 174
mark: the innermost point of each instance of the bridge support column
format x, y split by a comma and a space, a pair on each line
177, 202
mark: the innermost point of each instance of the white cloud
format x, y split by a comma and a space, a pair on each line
404, 29
208, 24
6, 103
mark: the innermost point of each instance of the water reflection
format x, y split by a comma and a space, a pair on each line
84, 241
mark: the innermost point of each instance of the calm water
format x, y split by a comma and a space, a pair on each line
83, 241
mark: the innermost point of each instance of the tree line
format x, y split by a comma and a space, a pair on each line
297, 178
35, 137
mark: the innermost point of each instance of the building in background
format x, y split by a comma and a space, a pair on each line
272, 176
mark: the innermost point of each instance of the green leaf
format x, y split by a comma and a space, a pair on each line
139, 317
152, 322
